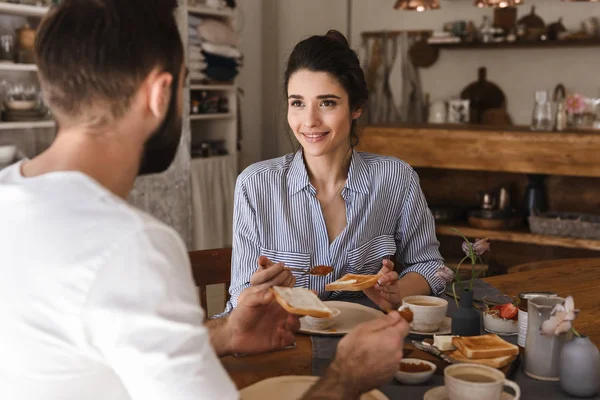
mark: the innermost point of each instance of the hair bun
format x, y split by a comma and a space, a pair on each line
337, 36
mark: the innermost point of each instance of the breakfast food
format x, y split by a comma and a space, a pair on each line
484, 347
321, 270
505, 311
352, 283
443, 343
301, 301
496, 362
406, 313
414, 367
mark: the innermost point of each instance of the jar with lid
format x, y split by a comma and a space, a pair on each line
524, 297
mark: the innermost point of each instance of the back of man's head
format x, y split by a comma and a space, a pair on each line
94, 54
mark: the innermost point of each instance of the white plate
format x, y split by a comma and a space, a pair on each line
439, 393
290, 388
445, 329
351, 315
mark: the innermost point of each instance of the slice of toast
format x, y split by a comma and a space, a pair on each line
484, 346
301, 301
352, 283
497, 362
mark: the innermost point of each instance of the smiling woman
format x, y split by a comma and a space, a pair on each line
328, 204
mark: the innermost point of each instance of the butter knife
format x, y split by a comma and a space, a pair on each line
426, 347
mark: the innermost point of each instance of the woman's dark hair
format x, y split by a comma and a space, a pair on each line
331, 53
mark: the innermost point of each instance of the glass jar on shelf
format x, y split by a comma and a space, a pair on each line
542, 112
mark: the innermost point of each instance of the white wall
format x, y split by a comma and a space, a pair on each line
271, 29
518, 72
250, 22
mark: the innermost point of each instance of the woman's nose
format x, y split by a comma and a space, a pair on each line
311, 119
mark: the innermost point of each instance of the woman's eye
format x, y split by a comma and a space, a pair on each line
328, 103
296, 103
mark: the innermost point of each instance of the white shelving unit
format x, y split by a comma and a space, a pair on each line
205, 11
213, 178
198, 117
9, 66
224, 88
215, 126
27, 125
24, 11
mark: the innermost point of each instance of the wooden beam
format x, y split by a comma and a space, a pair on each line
464, 148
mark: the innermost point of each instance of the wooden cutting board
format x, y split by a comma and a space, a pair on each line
411, 352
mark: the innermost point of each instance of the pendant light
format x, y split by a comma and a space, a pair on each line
417, 5
498, 3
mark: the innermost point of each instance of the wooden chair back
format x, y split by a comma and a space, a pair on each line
211, 267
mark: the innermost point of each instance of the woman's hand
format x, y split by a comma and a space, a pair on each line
271, 274
386, 293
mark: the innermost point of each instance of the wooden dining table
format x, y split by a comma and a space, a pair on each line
579, 278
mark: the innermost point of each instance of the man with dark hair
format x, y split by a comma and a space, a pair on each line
96, 298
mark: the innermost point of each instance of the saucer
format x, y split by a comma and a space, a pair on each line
439, 393
445, 329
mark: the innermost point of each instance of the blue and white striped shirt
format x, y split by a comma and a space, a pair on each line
277, 215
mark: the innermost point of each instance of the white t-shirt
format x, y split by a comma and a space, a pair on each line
97, 300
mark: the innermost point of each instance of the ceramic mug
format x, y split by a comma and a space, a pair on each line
429, 312
476, 382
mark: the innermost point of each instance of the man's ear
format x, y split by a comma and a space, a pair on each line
160, 94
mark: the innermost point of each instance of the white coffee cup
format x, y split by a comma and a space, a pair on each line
429, 312
476, 382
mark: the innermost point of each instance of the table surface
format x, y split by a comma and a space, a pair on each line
577, 278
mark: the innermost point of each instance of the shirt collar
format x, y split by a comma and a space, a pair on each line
297, 174
358, 174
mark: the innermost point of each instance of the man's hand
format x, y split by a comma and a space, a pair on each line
270, 274
366, 358
386, 293
258, 324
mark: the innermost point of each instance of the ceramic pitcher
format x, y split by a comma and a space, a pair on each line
542, 352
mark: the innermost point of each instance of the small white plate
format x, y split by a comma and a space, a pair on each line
351, 315
445, 329
439, 393
290, 388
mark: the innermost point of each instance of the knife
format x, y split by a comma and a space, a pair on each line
426, 347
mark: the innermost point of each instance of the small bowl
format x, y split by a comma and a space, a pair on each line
323, 323
492, 322
415, 378
495, 324
7, 154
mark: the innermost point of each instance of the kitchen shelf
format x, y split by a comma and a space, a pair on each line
8, 66
463, 147
213, 87
518, 236
209, 11
22, 9
27, 125
195, 117
546, 44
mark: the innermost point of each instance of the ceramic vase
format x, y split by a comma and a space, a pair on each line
579, 367
466, 320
